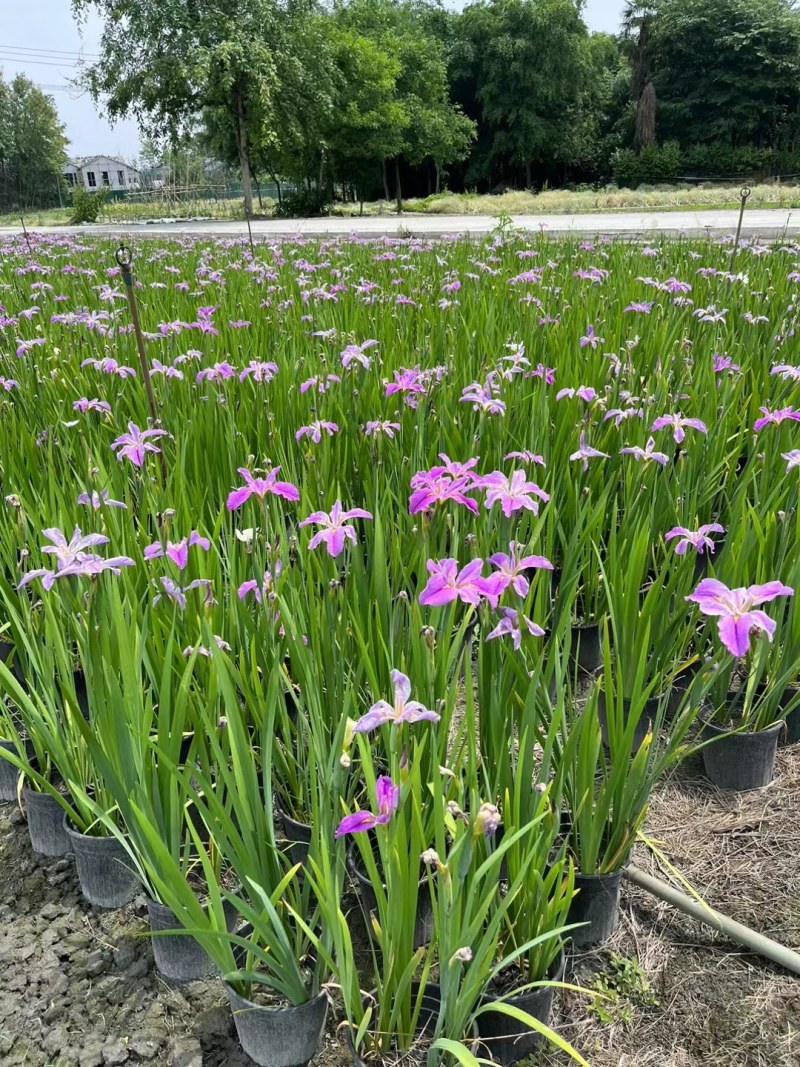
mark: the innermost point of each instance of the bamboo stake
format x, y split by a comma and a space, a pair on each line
703, 913
124, 259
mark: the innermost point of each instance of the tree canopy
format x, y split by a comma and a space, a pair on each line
32, 146
359, 97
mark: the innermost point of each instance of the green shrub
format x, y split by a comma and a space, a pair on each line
85, 205
652, 166
303, 203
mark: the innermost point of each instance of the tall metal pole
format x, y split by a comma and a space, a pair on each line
124, 259
744, 194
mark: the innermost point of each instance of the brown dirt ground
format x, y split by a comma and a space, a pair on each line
78, 988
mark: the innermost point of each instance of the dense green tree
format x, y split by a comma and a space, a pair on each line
165, 61
530, 67
726, 70
430, 126
32, 146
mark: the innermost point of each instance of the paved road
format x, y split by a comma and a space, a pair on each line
763, 222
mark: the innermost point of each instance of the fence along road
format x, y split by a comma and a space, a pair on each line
768, 223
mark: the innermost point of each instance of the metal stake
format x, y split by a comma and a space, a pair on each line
744, 194
250, 234
25, 232
124, 259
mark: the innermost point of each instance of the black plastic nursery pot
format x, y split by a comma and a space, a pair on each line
9, 775
430, 1007
45, 823
279, 1037
597, 905
298, 835
180, 957
424, 926
586, 649
646, 719
104, 870
791, 732
508, 1041
741, 761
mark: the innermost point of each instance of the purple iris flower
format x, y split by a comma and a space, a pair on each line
647, 453
736, 610
591, 338
526, 456
698, 539
403, 709
135, 443
511, 569
261, 372
511, 624
387, 797
482, 398
25, 346
586, 452
792, 458
99, 500
406, 380
512, 494
775, 417
201, 650
583, 392
218, 372
314, 430
447, 583
678, 424
644, 306
547, 374
376, 427
260, 487
83, 404
357, 354
259, 591
72, 558
178, 552
8, 383
321, 383
177, 595
430, 490
335, 527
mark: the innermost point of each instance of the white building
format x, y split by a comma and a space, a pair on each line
101, 172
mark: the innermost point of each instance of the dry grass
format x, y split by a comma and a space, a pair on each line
564, 202
718, 1006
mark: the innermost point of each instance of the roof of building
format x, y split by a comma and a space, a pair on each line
83, 161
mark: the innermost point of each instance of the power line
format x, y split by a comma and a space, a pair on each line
80, 54
25, 60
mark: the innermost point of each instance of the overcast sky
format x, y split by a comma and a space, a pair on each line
41, 39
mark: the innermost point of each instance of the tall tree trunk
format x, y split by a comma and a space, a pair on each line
528, 178
397, 188
438, 178
386, 192
277, 186
257, 184
244, 158
645, 128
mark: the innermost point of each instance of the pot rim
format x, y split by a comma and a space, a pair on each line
746, 732
313, 1002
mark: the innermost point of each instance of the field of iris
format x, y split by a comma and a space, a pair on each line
365, 655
